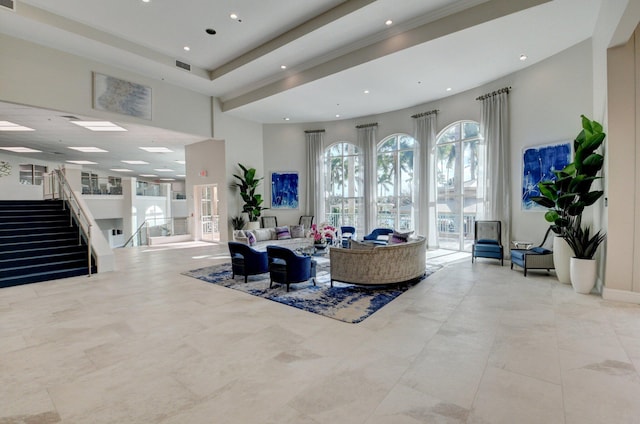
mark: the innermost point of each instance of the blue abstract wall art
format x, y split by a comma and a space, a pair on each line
284, 190
538, 164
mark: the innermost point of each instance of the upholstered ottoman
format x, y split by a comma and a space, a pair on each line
535, 258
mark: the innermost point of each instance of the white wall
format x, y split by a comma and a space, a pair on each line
546, 101
243, 142
38, 76
10, 187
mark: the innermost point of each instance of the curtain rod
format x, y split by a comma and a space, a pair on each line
313, 131
494, 93
373, 124
420, 115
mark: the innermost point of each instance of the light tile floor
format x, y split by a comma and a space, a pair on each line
470, 344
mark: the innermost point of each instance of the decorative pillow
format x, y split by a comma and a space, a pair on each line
297, 231
240, 237
251, 238
398, 237
283, 233
262, 234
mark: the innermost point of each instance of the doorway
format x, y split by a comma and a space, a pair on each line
207, 213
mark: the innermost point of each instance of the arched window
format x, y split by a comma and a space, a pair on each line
457, 170
344, 185
395, 182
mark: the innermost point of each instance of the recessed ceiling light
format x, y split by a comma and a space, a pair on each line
181, 162
233, 16
186, 48
89, 149
163, 170
366, 91
449, 88
388, 22
283, 67
146, 1
167, 179
148, 175
156, 149
98, 125
523, 57
337, 115
135, 162
287, 119
82, 162
21, 150
10, 126
120, 170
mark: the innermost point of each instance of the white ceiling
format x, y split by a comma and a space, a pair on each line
334, 50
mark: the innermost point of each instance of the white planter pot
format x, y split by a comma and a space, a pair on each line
562, 254
584, 273
252, 225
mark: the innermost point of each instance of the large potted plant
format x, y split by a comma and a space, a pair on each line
248, 183
570, 193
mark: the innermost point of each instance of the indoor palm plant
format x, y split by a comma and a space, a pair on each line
570, 193
248, 183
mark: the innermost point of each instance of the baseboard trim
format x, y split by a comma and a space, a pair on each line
621, 295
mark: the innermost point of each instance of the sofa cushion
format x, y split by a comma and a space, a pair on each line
297, 231
360, 245
283, 233
540, 250
262, 234
487, 241
251, 238
398, 237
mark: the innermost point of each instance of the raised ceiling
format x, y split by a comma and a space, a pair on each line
333, 50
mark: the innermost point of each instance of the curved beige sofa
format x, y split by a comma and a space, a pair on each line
389, 264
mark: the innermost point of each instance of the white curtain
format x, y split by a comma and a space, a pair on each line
494, 127
424, 129
315, 177
367, 136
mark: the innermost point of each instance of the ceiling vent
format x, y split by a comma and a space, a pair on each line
8, 4
179, 64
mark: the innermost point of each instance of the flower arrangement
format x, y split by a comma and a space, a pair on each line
323, 233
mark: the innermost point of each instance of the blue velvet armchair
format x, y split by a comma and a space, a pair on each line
247, 261
487, 241
376, 233
287, 267
347, 233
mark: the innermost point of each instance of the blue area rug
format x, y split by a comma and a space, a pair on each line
344, 302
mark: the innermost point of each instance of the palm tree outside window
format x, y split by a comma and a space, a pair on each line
395, 183
344, 175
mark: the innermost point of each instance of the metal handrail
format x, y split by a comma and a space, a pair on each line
135, 233
69, 198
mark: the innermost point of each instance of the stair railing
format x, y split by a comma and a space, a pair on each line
138, 233
61, 189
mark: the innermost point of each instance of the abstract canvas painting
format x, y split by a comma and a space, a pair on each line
284, 190
538, 164
120, 96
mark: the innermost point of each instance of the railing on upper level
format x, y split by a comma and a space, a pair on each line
160, 227
57, 187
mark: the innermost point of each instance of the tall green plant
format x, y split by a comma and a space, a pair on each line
570, 192
248, 183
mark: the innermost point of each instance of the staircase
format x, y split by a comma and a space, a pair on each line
38, 244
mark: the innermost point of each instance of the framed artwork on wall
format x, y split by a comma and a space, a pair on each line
284, 190
538, 164
115, 95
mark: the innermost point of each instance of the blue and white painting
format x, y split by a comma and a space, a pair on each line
284, 190
538, 164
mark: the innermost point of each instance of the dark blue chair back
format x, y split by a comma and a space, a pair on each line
347, 233
286, 266
247, 261
377, 232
